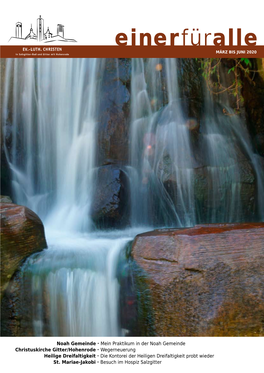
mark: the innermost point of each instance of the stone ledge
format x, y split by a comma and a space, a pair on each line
203, 281
22, 234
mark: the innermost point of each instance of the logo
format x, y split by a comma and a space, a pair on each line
40, 35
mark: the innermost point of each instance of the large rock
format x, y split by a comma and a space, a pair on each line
5, 179
110, 208
5, 199
224, 187
253, 94
201, 281
113, 121
216, 190
192, 87
22, 234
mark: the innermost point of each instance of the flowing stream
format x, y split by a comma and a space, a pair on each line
74, 283
165, 136
52, 157
185, 172
50, 113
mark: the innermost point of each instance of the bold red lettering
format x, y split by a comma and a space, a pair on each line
121, 39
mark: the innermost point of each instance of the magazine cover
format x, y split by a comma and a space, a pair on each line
132, 186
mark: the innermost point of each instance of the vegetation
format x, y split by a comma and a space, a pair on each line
237, 70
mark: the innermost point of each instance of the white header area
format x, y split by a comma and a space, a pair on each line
98, 22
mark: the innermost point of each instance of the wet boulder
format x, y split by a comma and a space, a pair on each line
5, 175
113, 121
221, 194
222, 188
253, 94
201, 281
226, 194
110, 207
5, 199
192, 87
22, 234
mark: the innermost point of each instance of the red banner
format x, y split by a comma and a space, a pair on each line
87, 51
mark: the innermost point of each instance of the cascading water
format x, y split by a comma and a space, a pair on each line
75, 290
225, 155
52, 156
159, 135
53, 136
182, 173
232, 165
182, 176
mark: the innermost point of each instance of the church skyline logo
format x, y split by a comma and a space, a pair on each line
39, 35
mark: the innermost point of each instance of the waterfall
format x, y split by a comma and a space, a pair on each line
50, 114
74, 285
159, 141
52, 125
183, 170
